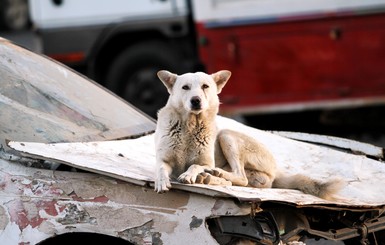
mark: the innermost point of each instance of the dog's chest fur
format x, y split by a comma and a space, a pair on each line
195, 134
192, 139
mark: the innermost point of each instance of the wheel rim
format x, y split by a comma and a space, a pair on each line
144, 90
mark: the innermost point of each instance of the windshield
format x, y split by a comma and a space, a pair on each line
44, 101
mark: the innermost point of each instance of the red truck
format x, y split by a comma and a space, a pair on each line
285, 56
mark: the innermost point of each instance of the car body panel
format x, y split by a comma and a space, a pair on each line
36, 204
54, 104
134, 160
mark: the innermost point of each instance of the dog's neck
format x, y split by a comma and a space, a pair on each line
206, 118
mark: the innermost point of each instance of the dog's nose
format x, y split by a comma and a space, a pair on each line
195, 103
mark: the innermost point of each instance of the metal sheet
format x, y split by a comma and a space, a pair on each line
134, 160
43, 101
36, 204
352, 145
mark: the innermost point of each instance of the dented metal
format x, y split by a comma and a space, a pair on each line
63, 172
137, 166
36, 204
47, 102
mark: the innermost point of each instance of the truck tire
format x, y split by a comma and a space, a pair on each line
133, 75
14, 14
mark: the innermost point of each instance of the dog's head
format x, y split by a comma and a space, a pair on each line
194, 92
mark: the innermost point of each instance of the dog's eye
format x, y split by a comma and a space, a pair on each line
204, 86
186, 87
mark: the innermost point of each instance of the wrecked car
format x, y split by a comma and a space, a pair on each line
77, 164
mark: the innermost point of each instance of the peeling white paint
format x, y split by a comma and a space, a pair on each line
110, 211
134, 161
11, 234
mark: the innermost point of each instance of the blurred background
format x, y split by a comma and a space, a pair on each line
308, 66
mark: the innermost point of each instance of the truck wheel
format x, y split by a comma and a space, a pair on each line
132, 75
14, 14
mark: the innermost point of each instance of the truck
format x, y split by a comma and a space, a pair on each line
286, 57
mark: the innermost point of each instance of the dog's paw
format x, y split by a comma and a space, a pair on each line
203, 178
258, 179
217, 172
187, 178
162, 185
208, 179
215, 180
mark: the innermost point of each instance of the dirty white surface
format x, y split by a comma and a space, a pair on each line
351, 145
134, 160
36, 204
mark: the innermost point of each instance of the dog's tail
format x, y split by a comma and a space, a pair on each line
307, 185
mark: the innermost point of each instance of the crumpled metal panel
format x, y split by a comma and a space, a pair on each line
36, 204
134, 161
43, 101
342, 143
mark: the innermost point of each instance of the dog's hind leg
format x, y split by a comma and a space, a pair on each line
259, 179
228, 150
250, 162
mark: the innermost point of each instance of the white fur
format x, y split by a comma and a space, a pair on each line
185, 135
189, 148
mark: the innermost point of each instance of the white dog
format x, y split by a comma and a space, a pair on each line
189, 147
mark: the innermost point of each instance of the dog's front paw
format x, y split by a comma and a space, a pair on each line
162, 185
187, 178
202, 178
208, 179
217, 172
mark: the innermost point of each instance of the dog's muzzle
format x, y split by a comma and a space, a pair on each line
196, 103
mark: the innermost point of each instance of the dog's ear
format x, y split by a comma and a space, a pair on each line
221, 78
167, 78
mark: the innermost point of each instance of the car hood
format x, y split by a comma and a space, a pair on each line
133, 160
